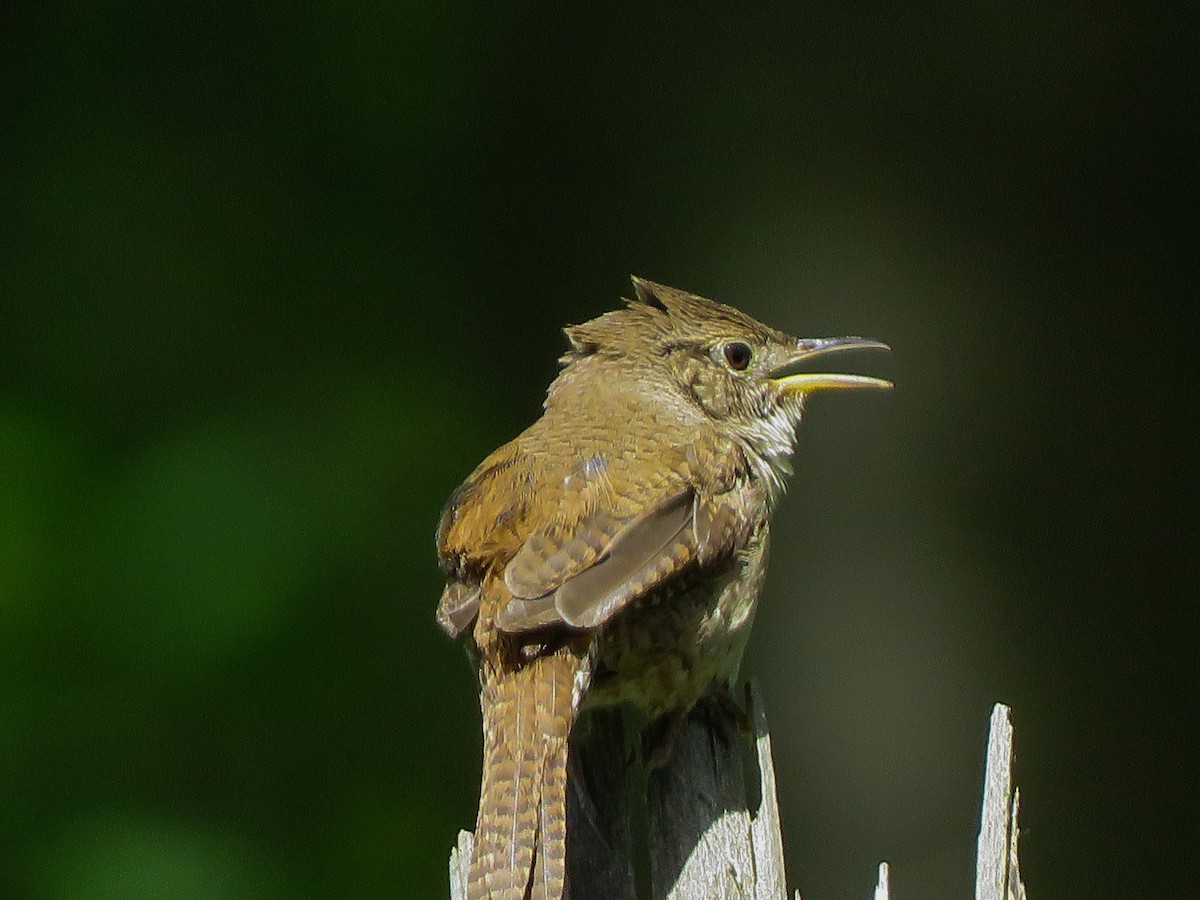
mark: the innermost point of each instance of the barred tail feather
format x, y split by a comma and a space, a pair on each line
520, 835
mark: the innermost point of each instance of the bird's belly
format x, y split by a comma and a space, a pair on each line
663, 652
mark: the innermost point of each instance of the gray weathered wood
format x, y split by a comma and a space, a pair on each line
708, 838
702, 834
460, 865
604, 790
882, 886
997, 874
1016, 887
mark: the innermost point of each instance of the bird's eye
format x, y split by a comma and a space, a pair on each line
738, 354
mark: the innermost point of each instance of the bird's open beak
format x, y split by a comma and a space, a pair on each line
802, 383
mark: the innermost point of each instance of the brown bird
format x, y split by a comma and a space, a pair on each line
615, 550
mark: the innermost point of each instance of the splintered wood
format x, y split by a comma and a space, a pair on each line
708, 839
997, 873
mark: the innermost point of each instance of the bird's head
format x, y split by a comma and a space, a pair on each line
703, 356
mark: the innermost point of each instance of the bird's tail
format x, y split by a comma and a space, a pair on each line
520, 835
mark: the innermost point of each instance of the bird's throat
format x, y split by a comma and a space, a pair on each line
769, 442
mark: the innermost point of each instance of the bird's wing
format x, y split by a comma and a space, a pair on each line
477, 523
458, 606
615, 537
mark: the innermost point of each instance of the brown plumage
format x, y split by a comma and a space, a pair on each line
614, 551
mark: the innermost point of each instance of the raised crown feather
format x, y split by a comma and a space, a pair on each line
660, 313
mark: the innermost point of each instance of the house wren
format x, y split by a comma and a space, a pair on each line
615, 550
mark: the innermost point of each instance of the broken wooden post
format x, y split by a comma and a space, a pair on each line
708, 838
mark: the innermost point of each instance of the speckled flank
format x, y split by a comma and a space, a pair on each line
673, 643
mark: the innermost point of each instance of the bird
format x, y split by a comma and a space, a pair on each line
614, 551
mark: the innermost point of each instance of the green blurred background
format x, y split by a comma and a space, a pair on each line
274, 279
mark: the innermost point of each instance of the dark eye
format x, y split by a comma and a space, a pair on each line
738, 355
